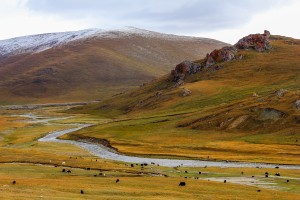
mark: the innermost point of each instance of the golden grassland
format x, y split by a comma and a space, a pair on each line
37, 169
35, 182
157, 120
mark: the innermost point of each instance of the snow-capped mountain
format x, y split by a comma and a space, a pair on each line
90, 64
42, 42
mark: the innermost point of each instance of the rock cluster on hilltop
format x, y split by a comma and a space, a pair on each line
258, 42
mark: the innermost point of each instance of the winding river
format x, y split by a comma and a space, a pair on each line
105, 153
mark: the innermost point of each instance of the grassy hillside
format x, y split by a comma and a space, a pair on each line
95, 67
243, 109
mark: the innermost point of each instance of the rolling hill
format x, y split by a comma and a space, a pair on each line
90, 64
240, 102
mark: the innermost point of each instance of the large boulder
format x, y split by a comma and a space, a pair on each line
183, 69
258, 42
220, 55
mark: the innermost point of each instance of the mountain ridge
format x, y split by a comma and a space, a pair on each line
41, 42
94, 67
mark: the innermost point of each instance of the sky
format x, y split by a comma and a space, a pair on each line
225, 20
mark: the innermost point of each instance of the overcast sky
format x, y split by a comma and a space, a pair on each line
225, 20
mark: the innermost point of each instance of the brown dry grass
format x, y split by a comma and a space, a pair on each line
39, 178
94, 68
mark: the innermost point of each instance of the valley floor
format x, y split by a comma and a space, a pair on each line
36, 167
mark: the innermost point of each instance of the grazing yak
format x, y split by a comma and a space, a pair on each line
182, 184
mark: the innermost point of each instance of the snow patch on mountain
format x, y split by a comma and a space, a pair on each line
42, 42
132, 31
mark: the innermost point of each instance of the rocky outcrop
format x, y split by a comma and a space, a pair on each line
220, 55
183, 69
258, 42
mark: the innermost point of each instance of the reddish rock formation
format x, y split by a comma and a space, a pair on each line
220, 55
183, 69
258, 42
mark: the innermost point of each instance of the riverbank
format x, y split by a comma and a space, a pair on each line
108, 153
39, 106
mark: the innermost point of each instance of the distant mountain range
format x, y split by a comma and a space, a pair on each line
90, 64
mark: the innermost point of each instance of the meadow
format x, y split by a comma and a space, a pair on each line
36, 168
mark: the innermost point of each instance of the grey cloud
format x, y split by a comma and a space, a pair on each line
180, 16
